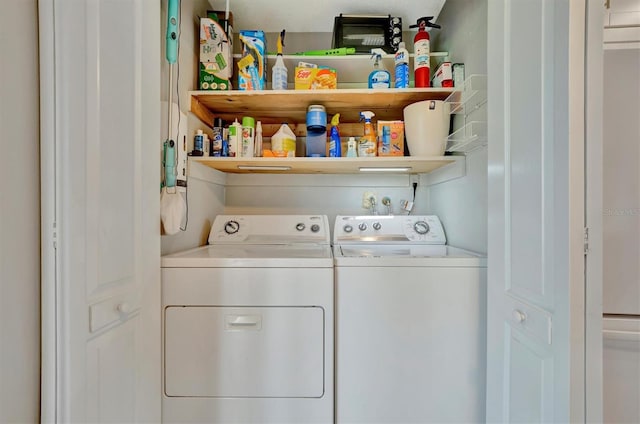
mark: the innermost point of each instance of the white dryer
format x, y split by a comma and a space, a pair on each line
410, 323
248, 323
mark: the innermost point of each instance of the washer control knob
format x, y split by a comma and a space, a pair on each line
231, 227
377, 226
315, 228
362, 226
347, 228
300, 226
421, 227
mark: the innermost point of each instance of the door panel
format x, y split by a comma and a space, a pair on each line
529, 110
112, 124
532, 372
111, 384
213, 351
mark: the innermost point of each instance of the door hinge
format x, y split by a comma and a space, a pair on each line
586, 240
54, 235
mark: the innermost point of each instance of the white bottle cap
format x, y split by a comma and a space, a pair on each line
199, 132
401, 45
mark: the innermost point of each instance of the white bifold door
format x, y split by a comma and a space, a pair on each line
100, 111
535, 357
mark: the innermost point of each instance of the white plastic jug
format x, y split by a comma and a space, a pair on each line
283, 142
426, 126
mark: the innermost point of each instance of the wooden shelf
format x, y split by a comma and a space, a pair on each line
277, 106
393, 164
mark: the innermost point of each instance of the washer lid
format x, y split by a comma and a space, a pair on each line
405, 255
252, 256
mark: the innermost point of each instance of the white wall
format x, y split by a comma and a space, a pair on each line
461, 204
19, 214
205, 191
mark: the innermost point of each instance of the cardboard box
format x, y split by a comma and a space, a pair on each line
315, 78
252, 66
390, 138
216, 63
443, 76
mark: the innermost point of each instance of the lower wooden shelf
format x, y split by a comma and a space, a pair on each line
393, 164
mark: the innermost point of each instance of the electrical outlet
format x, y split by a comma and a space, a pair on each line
406, 205
367, 197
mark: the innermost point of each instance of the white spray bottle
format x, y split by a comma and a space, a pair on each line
279, 70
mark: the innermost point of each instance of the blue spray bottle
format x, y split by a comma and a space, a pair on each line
378, 78
335, 149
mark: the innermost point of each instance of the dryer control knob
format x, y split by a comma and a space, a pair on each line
315, 228
377, 226
300, 226
231, 227
362, 226
347, 228
421, 227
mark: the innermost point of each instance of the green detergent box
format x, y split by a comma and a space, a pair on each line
216, 63
252, 66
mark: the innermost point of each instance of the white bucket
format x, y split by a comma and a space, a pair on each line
426, 127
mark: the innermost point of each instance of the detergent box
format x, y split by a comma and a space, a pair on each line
390, 138
216, 63
252, 66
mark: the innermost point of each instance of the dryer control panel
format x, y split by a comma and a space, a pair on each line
387, 229
269, 229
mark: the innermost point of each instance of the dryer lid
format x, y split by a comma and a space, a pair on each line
252, 256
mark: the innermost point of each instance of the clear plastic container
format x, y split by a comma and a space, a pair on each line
316, 143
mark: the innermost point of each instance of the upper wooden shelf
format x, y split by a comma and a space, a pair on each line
277, 106
344, 165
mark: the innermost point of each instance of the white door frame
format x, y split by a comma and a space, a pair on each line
593, 209
48, 213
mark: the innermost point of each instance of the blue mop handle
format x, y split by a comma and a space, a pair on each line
172, 30
170, 163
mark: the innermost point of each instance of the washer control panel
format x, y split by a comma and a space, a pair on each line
270, 229
401, 229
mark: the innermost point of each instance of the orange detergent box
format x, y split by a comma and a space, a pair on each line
315, 78
390, 138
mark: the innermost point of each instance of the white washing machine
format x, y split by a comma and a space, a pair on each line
410, 323
248, 323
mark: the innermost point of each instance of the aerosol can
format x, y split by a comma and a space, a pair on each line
421, 51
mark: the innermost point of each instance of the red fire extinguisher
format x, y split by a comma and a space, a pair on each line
421, 51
